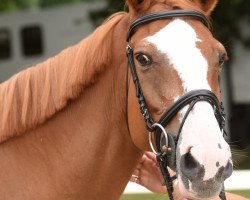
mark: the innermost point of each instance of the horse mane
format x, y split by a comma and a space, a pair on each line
34, 95
173, 4
185, 5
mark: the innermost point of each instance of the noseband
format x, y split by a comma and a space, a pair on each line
166, 154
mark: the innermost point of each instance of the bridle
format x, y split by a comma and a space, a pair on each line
166, 155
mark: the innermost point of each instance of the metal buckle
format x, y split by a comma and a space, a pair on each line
151, 137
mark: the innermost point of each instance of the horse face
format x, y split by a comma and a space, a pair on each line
173, 58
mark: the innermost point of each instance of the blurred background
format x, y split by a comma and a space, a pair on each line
33, 30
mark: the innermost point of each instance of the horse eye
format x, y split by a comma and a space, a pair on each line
144, 60
222, 59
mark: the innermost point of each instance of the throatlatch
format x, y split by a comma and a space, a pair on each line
166, 154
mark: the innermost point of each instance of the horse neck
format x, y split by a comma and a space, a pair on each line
82, 152
106, 153
99, 137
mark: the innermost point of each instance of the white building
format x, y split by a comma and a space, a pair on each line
28, 37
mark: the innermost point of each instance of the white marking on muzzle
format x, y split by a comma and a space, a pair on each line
201, 131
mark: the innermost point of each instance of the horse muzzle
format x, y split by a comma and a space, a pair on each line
191, 178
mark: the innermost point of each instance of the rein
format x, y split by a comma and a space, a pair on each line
166, 155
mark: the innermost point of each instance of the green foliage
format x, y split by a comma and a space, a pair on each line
227, 19
9, 5
112, 6
45, 3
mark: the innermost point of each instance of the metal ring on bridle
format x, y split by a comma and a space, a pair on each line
151, 139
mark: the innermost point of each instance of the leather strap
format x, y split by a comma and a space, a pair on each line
170, 14
204, 95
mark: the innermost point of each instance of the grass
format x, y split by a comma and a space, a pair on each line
245, 193
143, 197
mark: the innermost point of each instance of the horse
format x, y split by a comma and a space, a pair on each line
71, 127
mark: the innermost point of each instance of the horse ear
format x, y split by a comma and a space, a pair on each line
206, 5
136, 5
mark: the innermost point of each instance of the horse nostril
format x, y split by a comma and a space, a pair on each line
189, 166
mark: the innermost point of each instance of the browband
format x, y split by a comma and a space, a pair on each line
166, 15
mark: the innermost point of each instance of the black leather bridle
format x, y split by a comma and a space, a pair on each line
166, 155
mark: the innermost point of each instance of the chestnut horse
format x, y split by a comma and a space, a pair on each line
70, 128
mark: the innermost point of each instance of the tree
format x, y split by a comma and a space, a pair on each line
112, 6
7, 5
45, 3
227, 19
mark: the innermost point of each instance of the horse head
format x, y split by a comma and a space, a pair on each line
175, 57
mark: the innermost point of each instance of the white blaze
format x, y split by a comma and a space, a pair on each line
178, 42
